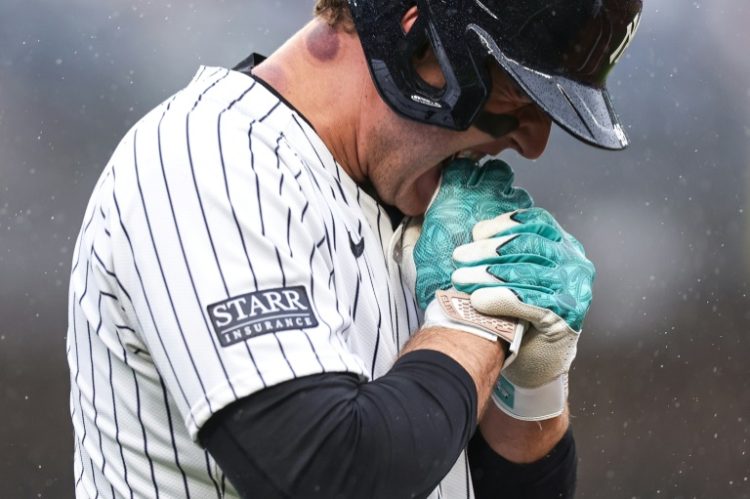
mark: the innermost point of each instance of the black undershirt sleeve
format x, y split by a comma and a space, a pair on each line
494, 477
334, 436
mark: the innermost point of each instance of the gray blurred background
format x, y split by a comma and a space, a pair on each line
660, 391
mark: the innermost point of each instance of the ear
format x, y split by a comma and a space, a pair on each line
407, 22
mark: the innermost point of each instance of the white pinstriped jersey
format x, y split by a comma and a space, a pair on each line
223, 251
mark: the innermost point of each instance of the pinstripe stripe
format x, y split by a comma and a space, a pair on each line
257, 181
409, 326
379, 323
93, 383
393, 317
283, 354
86, 281
172, 438
210, 472
117, 423
356, 293
77, 388
144, 434
281, 268
93, 478
270, 111
289, 232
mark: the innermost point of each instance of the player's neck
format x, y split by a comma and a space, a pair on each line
319, 71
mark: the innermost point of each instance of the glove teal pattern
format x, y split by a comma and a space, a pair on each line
543, 265
468, 194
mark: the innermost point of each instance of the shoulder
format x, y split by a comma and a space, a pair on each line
226, 140
221, 119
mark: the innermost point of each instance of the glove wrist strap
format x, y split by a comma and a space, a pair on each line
531, 404
435, 316
453, 310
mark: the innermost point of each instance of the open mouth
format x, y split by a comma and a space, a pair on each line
475, 156
472, 155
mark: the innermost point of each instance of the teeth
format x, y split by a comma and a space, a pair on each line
472, 155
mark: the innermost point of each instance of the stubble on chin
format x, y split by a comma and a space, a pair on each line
396, 173
402, 160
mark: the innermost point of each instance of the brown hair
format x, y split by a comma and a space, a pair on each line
335, 12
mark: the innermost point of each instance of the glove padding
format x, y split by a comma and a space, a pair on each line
524, 265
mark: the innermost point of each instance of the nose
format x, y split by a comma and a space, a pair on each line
532, 135
529, 138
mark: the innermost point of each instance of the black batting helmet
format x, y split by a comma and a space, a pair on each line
558, 51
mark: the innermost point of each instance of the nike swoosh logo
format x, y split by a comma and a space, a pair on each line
357, 248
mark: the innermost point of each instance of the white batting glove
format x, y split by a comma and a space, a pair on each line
524, 265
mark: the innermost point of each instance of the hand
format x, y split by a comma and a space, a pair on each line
467, 194
525, 265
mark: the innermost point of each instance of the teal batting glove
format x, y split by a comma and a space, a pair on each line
467, 194
525, 265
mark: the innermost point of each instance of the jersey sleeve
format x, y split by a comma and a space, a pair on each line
223, 248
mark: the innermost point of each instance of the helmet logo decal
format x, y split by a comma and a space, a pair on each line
427, 102
632, 28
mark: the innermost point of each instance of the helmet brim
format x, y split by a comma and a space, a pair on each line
583, 111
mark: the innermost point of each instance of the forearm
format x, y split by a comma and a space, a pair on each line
332, 435
521, 441
481, 358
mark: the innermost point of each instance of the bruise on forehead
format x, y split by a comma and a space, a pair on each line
323, 42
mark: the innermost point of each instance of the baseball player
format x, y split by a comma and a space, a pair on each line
250, 317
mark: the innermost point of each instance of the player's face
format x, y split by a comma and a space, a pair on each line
410, 174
